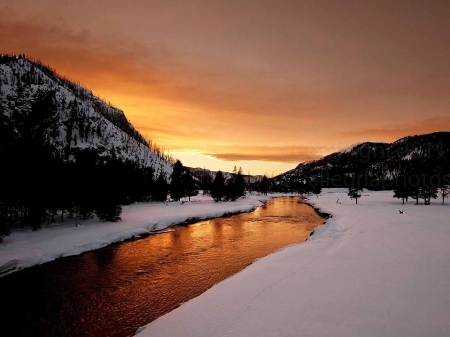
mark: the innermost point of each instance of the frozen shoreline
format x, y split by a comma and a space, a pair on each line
24, 248
370, 271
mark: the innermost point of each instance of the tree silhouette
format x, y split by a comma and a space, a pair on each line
177, 188
264, 185
354, 193
190, 186
218, 187
316, 189
161, 188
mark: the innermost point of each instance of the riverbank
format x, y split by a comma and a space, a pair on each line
25, 248
369, 271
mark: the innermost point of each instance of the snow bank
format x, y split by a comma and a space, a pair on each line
25, 248
369, 271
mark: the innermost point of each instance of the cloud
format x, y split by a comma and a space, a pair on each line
269, 157
116, 66
281, 154
392, 132
202, 76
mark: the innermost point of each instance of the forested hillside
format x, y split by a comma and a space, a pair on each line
415, 166
65, 152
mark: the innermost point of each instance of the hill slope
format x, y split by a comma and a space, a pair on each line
377, 161
72, 117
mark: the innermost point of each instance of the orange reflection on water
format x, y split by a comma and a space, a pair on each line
114, 290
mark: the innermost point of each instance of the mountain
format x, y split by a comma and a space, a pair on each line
199, 174
73, 118
65, 152
204, 178
380, 163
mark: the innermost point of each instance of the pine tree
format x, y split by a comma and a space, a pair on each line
218, 187
402, 188
206, 181
177, 190
354, 193
5, 221
190, 187
264, 185
316, 189
161, 188
444, 189
239, 183
111, 190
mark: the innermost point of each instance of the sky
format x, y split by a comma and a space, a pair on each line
260, 84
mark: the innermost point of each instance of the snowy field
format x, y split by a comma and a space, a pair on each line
369, 271
24, 248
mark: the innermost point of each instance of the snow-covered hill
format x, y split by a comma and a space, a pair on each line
80, 120
379, 161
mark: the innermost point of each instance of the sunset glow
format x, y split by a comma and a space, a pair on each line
263, 85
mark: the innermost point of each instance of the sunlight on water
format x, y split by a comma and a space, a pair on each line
114, 290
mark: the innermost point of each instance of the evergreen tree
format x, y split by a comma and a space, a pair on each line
264, 185
190, 187
177, 188
354, 193
357, 184
86, 180
428, 192
218, 187
235, 185
111, 190
444, 189
316, 189
239, 183
5, 221
206, 182
402, 188
161, 188
109, 211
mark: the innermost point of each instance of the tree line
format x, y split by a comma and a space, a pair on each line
39, 183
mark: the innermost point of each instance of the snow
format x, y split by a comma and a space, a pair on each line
369, 271
25, 248
113, 139
350, 148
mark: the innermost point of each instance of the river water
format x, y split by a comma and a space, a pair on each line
114, 290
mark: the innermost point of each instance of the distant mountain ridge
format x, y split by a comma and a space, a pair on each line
80, 120
199, 174
378, 161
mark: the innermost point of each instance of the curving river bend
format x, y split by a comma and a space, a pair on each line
114, 290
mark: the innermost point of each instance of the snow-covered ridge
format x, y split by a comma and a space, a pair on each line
82, 119
350, 148
379, 160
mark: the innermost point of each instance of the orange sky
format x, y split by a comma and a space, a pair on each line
258, 84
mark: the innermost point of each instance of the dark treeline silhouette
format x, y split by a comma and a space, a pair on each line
182, 184
232, 181
229, 189
38, 187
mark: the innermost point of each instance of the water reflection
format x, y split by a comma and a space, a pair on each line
114, 290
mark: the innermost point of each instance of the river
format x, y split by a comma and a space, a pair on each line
114, 290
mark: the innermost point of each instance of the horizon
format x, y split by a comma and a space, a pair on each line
256, 85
